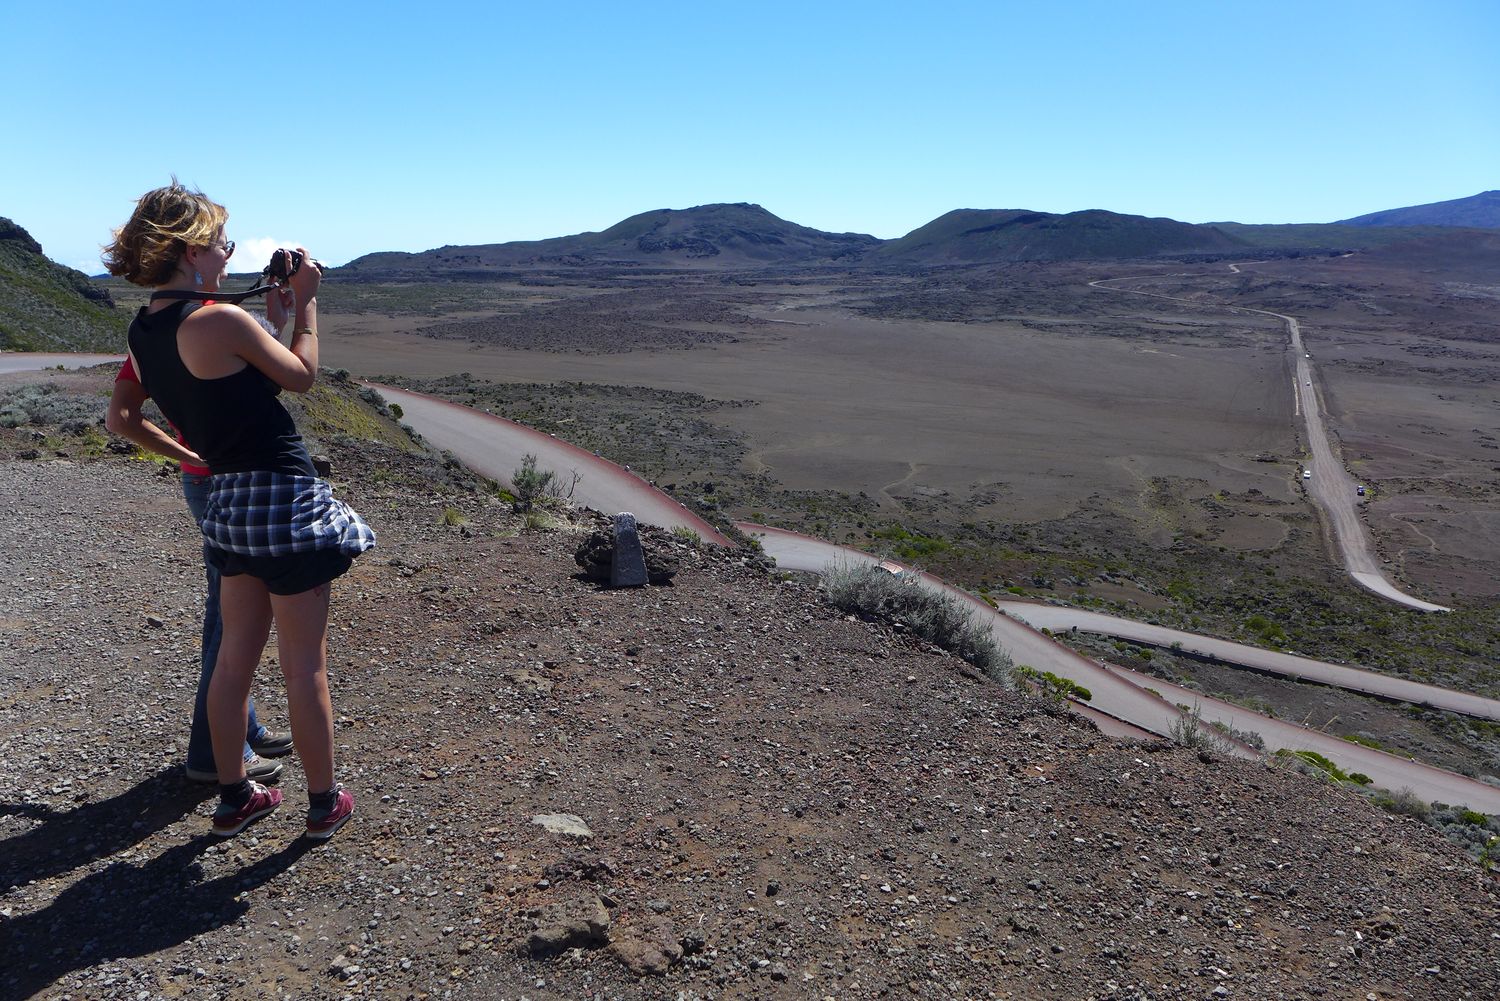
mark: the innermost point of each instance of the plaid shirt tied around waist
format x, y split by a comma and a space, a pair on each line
263, 513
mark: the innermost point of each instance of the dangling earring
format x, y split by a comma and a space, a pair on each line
197, 277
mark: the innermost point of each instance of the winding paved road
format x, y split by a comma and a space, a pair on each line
1149, 703
26, 361
1123, 702
1331, 487
1354, 679
494, 447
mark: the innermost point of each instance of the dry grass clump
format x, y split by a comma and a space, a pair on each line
934, 616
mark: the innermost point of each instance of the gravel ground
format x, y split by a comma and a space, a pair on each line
775, 800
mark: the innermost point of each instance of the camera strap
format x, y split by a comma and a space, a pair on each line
234, 297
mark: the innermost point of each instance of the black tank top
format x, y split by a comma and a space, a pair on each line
235, 422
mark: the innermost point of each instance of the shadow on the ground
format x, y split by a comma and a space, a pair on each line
129, 910
65, 840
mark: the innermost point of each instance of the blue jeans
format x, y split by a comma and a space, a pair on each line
200, 756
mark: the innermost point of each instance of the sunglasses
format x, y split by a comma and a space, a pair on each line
228, 248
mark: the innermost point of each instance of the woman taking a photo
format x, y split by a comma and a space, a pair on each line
273, 529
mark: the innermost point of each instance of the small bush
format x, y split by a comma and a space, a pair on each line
1405, 802
1054, 686
684, 534
1250, 737
452, 517
934, 616
1189, 731
533, 486
530, 484
42, 404
1321, 763
911, 545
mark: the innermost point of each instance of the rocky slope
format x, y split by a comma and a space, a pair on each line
47, 307
775, 800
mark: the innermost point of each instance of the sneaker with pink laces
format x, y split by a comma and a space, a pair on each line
324, 824
229, 821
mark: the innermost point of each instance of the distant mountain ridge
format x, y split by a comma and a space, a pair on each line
1481, 211
741, 235
986, 235
47, 307
737, 234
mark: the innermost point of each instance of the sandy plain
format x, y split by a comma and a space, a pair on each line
1032, 395
1017, 418
1407, 360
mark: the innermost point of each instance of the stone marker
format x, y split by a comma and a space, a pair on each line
628, 566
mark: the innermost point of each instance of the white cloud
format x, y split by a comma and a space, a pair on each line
253, 254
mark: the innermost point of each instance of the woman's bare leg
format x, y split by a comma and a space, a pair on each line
246, 609
302, 644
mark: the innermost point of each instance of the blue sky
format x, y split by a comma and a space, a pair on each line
382, 126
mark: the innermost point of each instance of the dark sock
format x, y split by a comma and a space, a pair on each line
236, 794
322, 800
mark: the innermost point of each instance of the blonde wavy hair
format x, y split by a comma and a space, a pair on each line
165, 223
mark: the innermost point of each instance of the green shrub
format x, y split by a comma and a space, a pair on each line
42, 404
1405, 802
1055, 686
1321, 763
452, 517
912, 545
533, 486
529, 484
1267, 630
934, 616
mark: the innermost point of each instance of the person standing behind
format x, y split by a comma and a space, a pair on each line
125, 418
275, 532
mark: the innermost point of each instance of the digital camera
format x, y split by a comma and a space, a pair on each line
285, 263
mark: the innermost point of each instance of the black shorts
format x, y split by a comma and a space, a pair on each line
282, 574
